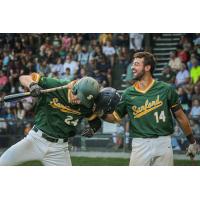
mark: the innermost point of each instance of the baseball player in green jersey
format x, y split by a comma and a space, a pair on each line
151, 105
56, 116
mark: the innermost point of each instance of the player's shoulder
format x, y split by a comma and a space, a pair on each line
127, 92
162, 84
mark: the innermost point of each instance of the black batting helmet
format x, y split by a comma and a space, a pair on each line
107, 100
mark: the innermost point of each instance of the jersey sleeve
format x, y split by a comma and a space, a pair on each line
121, 110
46, 82
173, 100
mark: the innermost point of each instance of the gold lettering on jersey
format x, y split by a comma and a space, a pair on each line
54, 103
147, 107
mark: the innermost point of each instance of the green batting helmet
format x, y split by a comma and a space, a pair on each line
86, 90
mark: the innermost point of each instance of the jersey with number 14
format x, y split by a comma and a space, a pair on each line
150, 110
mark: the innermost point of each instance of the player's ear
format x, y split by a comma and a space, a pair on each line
147, 68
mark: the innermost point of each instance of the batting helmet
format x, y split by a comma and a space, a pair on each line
86, 90
107, 100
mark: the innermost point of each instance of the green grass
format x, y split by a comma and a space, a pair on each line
84, 161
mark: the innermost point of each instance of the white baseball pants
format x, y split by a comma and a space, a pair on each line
152, 152
34, 147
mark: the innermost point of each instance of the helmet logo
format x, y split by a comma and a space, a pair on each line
90, 97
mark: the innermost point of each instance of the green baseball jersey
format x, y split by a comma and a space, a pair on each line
149, 111
54, 114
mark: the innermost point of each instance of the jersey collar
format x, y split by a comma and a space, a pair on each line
146, 89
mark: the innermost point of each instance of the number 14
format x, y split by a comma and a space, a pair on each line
161, 117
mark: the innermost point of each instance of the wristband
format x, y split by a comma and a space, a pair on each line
191, 139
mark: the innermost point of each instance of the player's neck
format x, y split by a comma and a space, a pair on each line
145, 82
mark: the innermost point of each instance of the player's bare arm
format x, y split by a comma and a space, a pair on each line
185, 126
184, 123
26, 80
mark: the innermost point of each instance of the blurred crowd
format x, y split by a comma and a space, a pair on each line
183, 72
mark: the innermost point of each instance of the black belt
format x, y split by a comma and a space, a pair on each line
49, 138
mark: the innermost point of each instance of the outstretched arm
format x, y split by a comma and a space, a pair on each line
185, 126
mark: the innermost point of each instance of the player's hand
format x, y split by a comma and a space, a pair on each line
88, 132
35, 89
192, 150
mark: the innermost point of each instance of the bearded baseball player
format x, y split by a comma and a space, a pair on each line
56, 116
151, 105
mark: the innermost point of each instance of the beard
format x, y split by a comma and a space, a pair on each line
139, 75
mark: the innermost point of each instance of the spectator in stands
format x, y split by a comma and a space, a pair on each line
105, 37
182, 77
136, 40
71, 64
57, 68
15, 70
197, 44
44, 67
121, 40
6, 58
66, 41
3, 81
195, 128
109, 52
195, 110
174, 62
67, 76
195, 71
183, 98
98, 54
185, 43
193, 58
168, 75
183, 55
105, 69
82, 72
45, 46
123, 58
28, 104
196, 92
11, 121
20, 114
91, 67
83, 56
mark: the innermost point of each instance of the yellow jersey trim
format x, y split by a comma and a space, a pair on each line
117, 117
35, 77
92, 117
174, 105
145, 90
